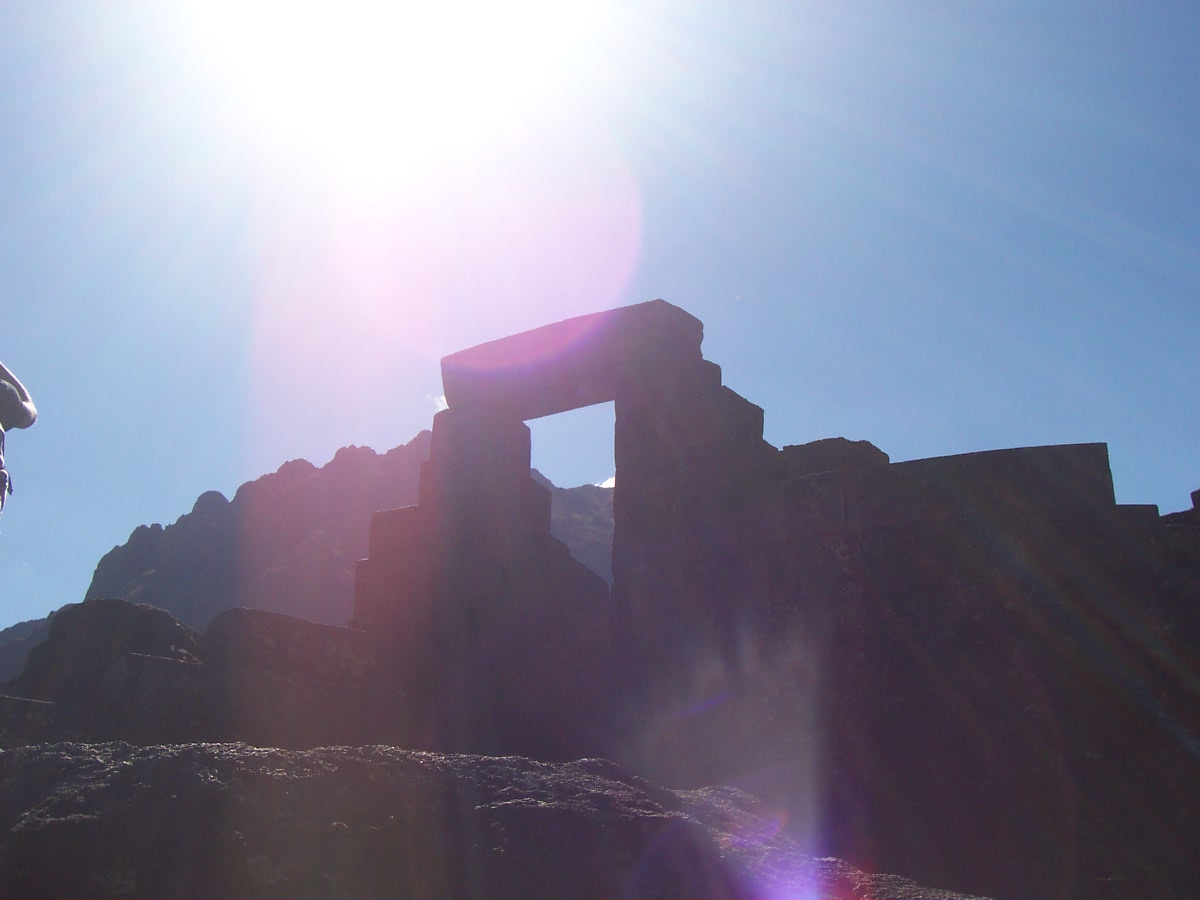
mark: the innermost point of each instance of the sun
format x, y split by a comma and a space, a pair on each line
375, 87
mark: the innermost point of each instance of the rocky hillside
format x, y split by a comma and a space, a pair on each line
288, 542
582, 518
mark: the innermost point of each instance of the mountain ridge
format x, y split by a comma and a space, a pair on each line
288, 542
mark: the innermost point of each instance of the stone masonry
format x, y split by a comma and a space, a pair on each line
935, 667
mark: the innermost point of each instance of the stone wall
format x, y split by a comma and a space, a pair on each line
936, 666
487, 615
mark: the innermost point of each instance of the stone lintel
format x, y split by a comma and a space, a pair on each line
571, 364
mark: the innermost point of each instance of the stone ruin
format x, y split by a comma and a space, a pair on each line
935, 667
474, 561
978, 671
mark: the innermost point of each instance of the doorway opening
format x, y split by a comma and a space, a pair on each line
573, 451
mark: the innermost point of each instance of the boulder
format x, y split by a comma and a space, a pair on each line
85, 641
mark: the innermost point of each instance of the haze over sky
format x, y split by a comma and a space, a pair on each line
232, 235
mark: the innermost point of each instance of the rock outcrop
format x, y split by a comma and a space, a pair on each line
16, 642
230, 820
87, 639
113, 670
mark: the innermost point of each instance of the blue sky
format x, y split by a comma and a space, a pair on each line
941, 227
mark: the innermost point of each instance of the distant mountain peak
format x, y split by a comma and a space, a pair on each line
288, 541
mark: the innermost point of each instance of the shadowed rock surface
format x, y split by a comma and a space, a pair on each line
229, 820
15, 643
87, 639
112, 670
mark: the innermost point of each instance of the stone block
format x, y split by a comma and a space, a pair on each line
273, 680
398, 530
24, 721
829, 455
148, 699
570, 364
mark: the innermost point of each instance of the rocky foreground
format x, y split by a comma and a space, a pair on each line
231, 820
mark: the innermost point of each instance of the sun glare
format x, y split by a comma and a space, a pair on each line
374, 86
